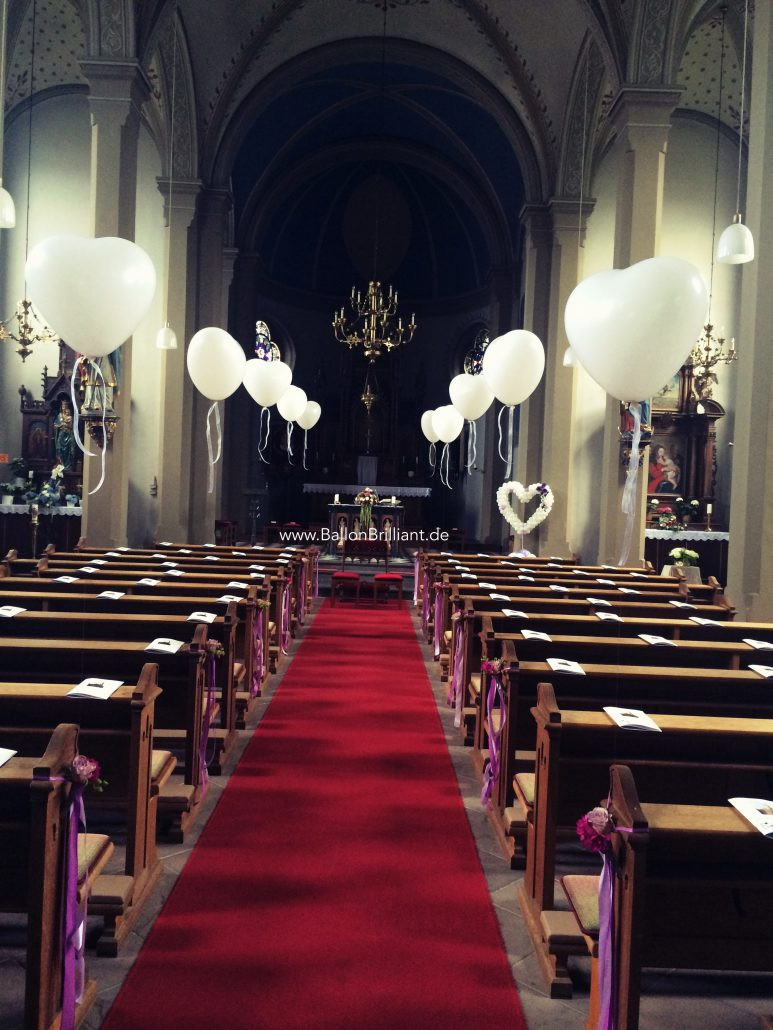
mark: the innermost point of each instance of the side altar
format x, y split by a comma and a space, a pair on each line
387, 522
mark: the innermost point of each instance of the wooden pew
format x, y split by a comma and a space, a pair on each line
694, 760
696, 893
34, 806
179, 711
119, 734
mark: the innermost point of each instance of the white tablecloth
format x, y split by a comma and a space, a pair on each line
23, 509
683, 534
350, 490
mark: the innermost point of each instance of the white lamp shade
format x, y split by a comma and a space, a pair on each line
166, 338
7, 210
736, 244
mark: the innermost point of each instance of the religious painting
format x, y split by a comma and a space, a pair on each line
671, 396
667, 465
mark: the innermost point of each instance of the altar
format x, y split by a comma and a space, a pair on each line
387, 522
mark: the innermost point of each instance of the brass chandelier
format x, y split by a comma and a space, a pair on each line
373, 327
709, 352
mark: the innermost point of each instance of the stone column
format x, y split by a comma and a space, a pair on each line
750, 567
212, 309
537, 255
117, 90
175, 390
642, 119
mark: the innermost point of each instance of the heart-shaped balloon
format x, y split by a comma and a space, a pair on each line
310, 416
215, 362
633, 328
266, 381
292, 404
92, 293
513, 365
470, 395
447, 423
524, 494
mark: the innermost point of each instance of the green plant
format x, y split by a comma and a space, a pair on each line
684, 556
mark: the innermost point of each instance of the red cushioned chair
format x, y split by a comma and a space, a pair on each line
343, 581
382, 581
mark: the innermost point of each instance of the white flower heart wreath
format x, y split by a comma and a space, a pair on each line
525, 494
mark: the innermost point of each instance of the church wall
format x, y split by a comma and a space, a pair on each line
59, 203
146, 359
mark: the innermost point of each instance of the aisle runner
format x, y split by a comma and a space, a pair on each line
337, 883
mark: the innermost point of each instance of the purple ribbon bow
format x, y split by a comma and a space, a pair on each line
491, 773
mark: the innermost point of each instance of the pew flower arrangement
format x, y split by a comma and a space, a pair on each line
684, 556
215, 649
49, 493
495, 667
686, 510
85, 771
595, 829
366, 498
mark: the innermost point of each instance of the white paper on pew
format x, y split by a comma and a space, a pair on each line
758, 645
513, 613
257, 568
566, 665
766, 671
681, 604
158, 556
170, 564
483, 555
560, 587
66, 579
527, 579
656, 641
535, 634
208, 617
7, 611
185, 550
89, 569
5, 754
236, 585
488, 586
612, 568
94, 687
97, 561
580, 572
123, 548
467, 575
507, 563
111, 595
608, 617
461, 568
211, 557
258, 547
165, 543
239, 554
112, 554
638, 575
599, 601
446, 554
227, 598
174, 572
628, 590
758, 811
632, 719
704, 622
292, 547
209, 545
283, 561
255, 575
147, 582
555, 565
285, 554
164, 645
499, 597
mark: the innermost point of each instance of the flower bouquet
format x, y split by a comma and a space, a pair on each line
366, 498
50, 491
684, 556
85, 771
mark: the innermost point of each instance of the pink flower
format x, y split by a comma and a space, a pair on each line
84, 770
595, 829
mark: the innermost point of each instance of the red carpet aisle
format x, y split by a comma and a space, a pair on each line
337, 883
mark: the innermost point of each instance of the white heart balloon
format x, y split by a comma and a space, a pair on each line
470, 395
426, 426
266, 381
92, 293
292, 404
215, 362
310, 416
447, 423
633, 328
513, 365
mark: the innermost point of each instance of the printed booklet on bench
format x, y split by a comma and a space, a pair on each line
758, 811
631, 719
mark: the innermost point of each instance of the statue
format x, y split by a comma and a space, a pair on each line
64, 438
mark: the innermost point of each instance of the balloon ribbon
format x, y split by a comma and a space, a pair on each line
472, 450
432, 458
262, 444
213, 460
628, 505
290, 442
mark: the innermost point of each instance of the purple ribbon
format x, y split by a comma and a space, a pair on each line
302, 601
257, 655
73, 960
606, 935
204, 740
491, 772
284, 627
438, 619
425, 601
316, 575
416, 580
456, 687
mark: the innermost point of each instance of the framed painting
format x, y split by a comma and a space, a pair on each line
672, 396
667, 466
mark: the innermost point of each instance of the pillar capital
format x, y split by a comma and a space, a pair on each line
641, 114
116, 82
182, 195
567, 214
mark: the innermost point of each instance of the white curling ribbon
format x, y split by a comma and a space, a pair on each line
628, 505
213, 459
290, 441
262, 444
444, 464
75, 418
432, 457
305, 439
499, 436
104, 432
472, 451
510, 419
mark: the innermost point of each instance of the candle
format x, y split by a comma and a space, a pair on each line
394, 499
709, 508
337, 499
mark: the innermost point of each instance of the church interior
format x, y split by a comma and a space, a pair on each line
332, 293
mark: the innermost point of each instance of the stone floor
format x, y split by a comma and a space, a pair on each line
671, 1001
